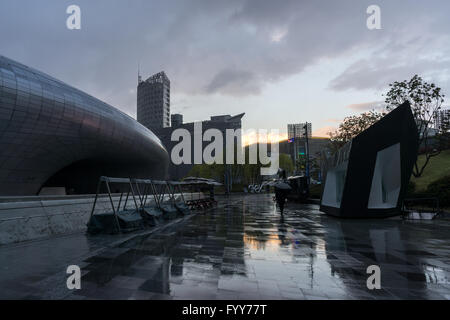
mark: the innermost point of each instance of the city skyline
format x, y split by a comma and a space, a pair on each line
280, 63
224, 151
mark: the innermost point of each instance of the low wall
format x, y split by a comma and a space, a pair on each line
30, 218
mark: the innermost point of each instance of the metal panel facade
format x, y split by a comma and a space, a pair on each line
47, 126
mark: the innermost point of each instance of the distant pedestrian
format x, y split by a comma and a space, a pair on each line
282, 188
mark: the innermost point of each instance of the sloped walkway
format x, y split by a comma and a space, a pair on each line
243, 249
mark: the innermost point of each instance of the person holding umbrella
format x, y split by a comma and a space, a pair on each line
282, 188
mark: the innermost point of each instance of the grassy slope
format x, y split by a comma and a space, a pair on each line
438, 167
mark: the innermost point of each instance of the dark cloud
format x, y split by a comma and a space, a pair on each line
366, 106
419, 44
378, 73
234, 82
228, 47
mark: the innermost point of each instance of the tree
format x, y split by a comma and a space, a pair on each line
208, 171
300, 165
351, 127
286, 163
426, 100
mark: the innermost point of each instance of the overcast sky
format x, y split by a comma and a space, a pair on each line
278, 61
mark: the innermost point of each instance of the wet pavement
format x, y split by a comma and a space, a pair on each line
243, 249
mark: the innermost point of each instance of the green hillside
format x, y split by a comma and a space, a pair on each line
438, 167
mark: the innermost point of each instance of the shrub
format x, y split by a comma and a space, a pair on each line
441, 189
411, 188
315, 191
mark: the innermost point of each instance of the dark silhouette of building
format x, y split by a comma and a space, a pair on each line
53, 135
153, 101
297, 130
442, 120
176, 120
222, 123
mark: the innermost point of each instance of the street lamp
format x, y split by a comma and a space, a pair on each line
307, 150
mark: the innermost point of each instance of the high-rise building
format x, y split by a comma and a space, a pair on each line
297, 130
442, 119
176, 120
66, 139
153, 101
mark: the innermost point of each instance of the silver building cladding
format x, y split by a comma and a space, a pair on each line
53, 135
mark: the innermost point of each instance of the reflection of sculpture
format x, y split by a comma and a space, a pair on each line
368, 177
382, 245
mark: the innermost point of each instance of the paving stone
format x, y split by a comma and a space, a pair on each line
243, 250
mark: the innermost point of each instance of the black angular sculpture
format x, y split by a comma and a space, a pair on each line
368, 176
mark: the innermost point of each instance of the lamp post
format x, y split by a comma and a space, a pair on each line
307, 151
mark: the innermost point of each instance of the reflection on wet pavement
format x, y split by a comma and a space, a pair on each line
245, 250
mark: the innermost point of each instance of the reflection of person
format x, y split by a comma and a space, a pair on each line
282, 229
280, 190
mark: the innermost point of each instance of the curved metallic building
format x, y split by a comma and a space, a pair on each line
53, 135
